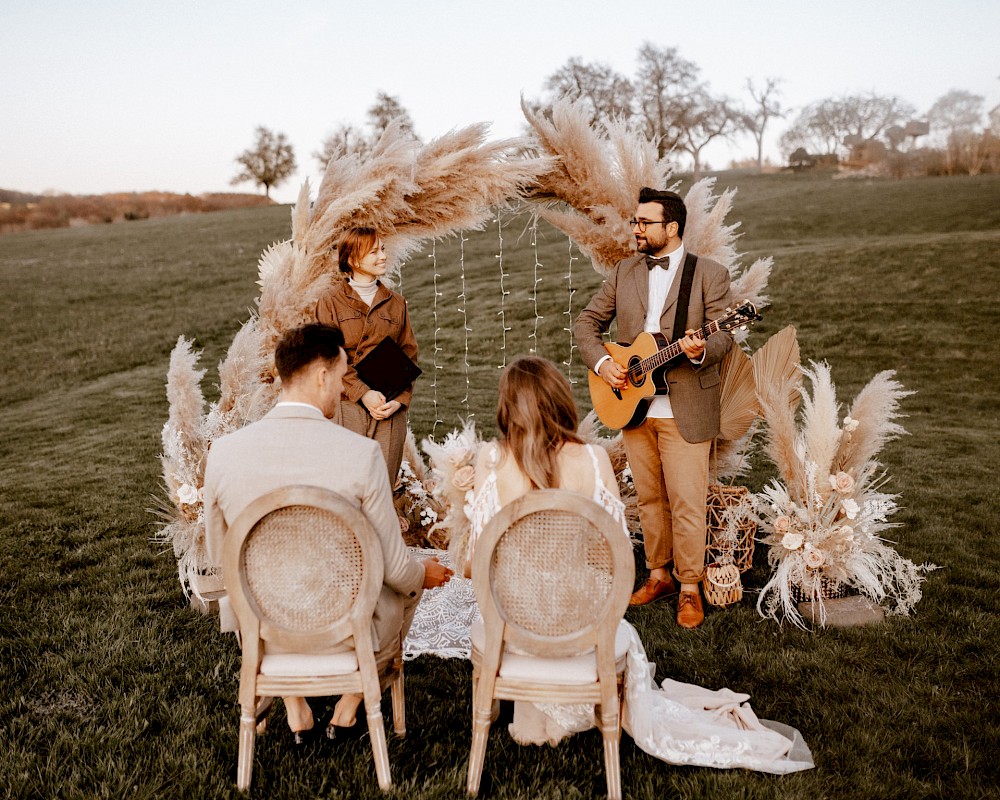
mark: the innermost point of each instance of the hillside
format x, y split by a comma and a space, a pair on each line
25, 212
112, 686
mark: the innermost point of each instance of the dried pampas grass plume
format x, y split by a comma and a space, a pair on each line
597, 174
591, 189
875, 409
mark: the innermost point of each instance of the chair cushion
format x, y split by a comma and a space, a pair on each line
308, 665
566, 670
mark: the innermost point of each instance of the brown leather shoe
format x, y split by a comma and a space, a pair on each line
690, 613
653, 589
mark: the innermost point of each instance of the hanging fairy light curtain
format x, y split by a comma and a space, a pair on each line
535, 280
502, 313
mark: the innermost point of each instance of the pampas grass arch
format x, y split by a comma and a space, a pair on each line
581, 180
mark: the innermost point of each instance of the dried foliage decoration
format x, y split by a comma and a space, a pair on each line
410, 193
590, 194
826, 514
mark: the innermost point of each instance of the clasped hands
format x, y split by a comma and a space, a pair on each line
378, 406
435, 573
614, 374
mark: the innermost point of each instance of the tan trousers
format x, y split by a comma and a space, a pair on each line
671, 481
389, 433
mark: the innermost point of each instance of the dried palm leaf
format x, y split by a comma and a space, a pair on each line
739, 406
776, 363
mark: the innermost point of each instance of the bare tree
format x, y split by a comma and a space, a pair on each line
824, 127
268, 162
348, 139
386, 109
957, 117
958, 110
666, 87
766, 107
706, 118
605, 92
345, 140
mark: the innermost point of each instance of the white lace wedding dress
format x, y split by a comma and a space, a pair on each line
677, 722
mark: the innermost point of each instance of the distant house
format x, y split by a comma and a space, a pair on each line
801, 159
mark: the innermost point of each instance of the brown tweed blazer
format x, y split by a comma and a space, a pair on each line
694, 390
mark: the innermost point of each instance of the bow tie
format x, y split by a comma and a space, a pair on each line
663, 262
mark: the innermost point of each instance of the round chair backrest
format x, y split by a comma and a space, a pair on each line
555, 568
304, 568
303, 562
552, 573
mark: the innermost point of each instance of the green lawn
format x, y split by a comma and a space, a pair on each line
111, 686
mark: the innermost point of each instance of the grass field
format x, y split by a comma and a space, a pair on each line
110, 686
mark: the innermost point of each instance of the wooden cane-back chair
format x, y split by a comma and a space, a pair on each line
553, 573
303, 570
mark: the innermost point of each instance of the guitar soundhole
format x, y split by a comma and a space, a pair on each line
635, 375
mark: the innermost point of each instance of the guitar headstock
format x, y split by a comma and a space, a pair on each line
742, 316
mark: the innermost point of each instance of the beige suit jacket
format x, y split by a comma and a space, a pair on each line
298, 445
624, 296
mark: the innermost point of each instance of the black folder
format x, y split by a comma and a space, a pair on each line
387, 369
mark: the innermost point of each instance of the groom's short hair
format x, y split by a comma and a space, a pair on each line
673, 206
299, 347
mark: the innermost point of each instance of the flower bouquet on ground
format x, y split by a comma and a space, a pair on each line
824, 517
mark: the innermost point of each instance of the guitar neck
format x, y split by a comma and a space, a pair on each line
672, 350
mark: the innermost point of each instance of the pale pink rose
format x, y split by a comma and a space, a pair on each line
791, 541
460, 456
842, 483
187, 494
782, 524
814, 559
404, 523
464, 478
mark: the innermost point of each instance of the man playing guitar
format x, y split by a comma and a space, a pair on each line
668, 451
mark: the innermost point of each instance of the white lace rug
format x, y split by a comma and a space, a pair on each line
444, 616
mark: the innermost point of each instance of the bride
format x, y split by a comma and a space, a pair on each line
679, 723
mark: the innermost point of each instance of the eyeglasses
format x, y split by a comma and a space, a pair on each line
642, 223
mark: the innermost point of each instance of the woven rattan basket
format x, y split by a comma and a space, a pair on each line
729, 531
826, 588
722, 585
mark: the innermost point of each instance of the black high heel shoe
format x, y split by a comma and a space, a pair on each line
303, 738
357, 730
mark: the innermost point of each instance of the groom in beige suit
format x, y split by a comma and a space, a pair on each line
296, 443
667, 452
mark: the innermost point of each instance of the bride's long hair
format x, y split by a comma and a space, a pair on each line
536, 416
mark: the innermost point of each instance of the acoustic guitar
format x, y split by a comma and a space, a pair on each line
647, 360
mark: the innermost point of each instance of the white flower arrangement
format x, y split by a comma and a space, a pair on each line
416, 506
825, 516
453, 472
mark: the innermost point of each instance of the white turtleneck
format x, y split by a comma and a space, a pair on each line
366, 291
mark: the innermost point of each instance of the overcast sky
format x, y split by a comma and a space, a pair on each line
102, 95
